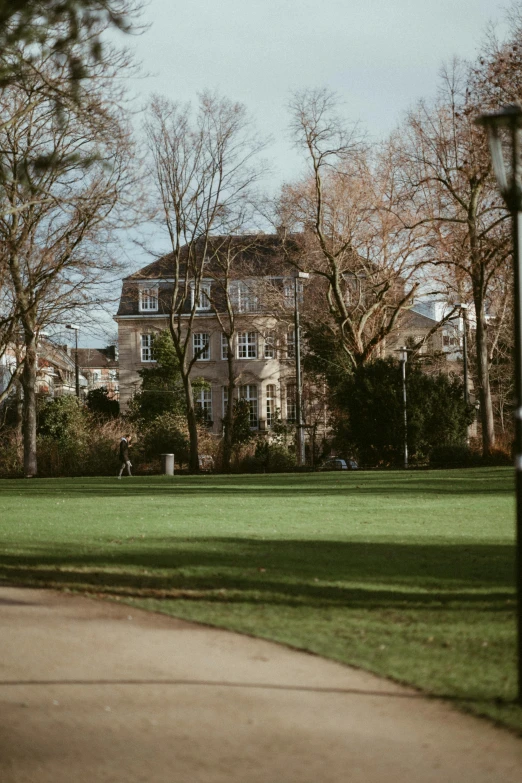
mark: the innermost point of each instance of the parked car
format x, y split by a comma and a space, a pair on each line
336, 463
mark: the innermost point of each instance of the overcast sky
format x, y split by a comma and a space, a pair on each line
380, 56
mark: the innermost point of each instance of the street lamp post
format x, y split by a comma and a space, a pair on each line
76, 329
403, 358
300, 441
503, 133
464, 314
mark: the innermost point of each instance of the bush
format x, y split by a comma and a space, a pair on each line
453, 457
166, 434
63, 419
463, 457
98, 401
11, 455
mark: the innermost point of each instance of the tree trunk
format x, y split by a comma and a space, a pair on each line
229, 416
29, 409
192, 424
486, 404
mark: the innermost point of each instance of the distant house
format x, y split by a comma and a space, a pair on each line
264, 345
423, 328
55, 369
100, 368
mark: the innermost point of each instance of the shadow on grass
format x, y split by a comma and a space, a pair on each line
280, 572
454, 482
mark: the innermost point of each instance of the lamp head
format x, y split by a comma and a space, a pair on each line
502, 126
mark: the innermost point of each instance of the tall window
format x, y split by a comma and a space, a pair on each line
224, 346
243, 297
290, 344
146, 348
148, 299
247, 345
203, 404
289, 286
291, 411
270, 404
249, 392
224, 398
203, 302
270, 345
201, 346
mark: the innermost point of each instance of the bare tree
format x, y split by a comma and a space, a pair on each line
204, 174
56, 249
350, 237
446, 172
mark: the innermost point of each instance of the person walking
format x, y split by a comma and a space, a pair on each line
124, 455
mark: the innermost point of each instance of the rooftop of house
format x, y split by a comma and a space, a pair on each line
253, 254
413, 320
97, 358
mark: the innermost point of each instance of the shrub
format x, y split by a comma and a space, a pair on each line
166, 434
63, 419
98, 401
453, 457
11, 455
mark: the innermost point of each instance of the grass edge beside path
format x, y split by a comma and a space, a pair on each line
409, 576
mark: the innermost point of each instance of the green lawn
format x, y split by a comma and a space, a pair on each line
410, 575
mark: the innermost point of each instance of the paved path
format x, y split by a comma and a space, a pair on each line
94, 691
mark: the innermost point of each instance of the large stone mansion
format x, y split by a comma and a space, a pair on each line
264, 343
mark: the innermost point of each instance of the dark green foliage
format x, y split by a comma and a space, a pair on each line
161, 386
324, 355
272, 458
68, 29
98, 401
165, 435
371, 412
241, 428
63, 419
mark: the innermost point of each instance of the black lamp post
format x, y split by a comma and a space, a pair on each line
503, 133
76, 329
298, 377
464, 314
403, 358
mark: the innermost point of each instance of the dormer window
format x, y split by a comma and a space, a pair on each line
203, 302
243, 297
149, 299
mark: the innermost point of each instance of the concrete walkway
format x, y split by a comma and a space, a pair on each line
94, 691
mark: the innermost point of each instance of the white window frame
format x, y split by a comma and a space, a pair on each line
289, 286
224, 346
201, 345
224, 400
243, 298
270, 345
203, 304
291, 403
146, 347
247, 345
290, 343
203, 401
148, 299
271, 403
250, 392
